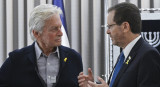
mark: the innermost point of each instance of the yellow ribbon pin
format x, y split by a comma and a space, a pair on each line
65, 59
128, 60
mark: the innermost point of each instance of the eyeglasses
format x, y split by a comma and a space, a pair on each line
109, 26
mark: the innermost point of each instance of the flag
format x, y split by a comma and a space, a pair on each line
65, 41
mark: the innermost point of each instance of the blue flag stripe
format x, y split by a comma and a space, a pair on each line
59, 3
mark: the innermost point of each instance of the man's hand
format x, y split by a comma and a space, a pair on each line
104, 84
83, 79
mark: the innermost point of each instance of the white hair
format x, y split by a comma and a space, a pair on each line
39, 15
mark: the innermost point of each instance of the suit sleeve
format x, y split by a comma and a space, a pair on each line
149, 70
5, 73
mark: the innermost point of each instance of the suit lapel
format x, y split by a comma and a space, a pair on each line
123, 69
63, 55
128, 61
32, 57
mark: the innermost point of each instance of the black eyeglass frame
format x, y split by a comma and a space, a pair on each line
109, 26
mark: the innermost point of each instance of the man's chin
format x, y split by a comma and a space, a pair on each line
59, 44
113, 43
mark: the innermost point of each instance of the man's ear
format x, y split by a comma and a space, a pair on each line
35, 33
126, 26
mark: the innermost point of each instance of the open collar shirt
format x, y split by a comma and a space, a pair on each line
48, 66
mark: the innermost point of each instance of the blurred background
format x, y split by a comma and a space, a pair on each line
86, 22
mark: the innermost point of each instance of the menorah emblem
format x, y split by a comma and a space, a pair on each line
153, 40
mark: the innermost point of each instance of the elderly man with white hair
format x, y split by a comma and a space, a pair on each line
45, 63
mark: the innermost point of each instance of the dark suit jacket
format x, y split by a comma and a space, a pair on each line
20, 69
142, 70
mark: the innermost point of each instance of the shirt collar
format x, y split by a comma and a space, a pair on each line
128, 48
39, 51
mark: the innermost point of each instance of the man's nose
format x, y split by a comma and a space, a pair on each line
60, 33
108, 31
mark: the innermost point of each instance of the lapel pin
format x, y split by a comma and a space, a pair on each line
128, 60
65, 59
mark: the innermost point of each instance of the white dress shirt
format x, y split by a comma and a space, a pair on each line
128, 48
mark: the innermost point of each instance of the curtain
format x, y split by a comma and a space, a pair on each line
84, 20
86, 24
14, 32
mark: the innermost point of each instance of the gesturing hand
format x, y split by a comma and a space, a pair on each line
83, 79
104, 84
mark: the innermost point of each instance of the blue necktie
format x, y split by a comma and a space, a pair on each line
117, 68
